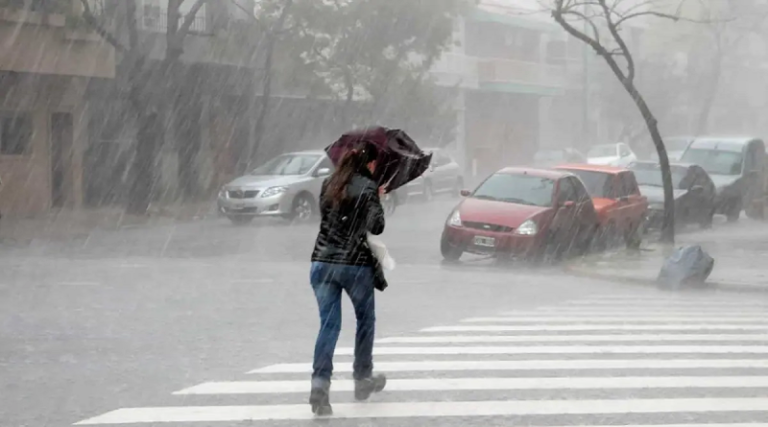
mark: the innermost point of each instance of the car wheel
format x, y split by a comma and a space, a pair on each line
303, 208
241, 220
756, 210
427, 191
734, 211
607, 236
450, 253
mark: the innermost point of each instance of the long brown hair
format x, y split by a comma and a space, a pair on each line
352, 162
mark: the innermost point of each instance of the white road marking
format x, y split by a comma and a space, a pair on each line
596, 327
573, 349
633, 311
466, 384
529, 365
186, 414
571, 338
665, 304
620, 319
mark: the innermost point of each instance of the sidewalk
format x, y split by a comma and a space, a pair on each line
68, 224
740, 252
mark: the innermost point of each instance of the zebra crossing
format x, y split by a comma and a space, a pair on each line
648, 359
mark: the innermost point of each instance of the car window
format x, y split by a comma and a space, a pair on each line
596, 183
325, 163
288, 164
624, 151
715, 162
627, 185
579, 190
650, 174
516, 188
566, 192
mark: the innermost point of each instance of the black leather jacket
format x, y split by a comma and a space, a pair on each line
342, 238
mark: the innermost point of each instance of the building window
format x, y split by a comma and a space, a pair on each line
15, 134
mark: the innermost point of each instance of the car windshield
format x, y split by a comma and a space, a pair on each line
650, 175
517, 188
598, 184
288, 164
715, 162
602, 151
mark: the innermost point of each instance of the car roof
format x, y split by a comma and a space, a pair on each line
592, 168
722, 143
542, 173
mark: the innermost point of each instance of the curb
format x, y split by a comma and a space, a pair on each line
709, 286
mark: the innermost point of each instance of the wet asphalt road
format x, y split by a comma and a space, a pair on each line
125, 319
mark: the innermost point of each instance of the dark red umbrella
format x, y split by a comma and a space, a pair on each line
400, 159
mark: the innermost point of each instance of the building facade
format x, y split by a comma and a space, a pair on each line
46, 67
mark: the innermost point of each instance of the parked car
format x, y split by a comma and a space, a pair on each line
621, 209
287, 186
735, 165
549, 158
618, 154
694, 193
443, 176
675, 148
521, 213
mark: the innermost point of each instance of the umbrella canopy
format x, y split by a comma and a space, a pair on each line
400, 159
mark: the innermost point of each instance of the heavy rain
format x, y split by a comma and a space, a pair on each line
383, 213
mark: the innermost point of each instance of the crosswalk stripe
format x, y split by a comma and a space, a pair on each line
571, 338
595, 327
633, 311
638, 319
528, 365
573, 349
681, 303
467, 384
428, 409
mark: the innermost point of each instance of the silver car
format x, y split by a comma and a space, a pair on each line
287, 186
443, 176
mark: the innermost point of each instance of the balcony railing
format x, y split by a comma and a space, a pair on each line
511, 71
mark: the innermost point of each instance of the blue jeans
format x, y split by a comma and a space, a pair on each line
328, 280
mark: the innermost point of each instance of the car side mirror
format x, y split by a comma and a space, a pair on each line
323, 172
697, 189
465, 193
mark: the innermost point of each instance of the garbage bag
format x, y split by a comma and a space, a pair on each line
688, 265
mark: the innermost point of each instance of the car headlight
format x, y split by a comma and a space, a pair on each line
223, 194
273, 191
455, 219
527, 228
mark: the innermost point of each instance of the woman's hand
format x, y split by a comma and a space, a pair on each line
382, 190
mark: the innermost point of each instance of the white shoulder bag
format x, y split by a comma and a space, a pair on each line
380, 252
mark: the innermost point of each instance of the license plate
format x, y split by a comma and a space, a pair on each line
238, 206
488, 242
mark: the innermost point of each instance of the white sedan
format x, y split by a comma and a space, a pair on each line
618, 154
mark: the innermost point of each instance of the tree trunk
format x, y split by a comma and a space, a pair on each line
668, 225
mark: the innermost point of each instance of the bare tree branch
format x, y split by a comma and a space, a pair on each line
94, 23
613, 29
189, 19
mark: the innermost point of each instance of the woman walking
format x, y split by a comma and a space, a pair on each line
342, 261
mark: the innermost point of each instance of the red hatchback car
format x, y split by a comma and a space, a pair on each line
522, 213
621, 209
